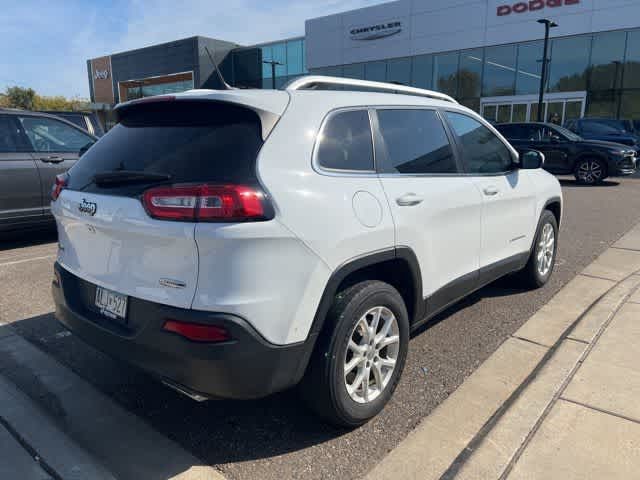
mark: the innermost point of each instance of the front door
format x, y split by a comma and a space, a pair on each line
20, 191
56, 146
508, 196
436, 209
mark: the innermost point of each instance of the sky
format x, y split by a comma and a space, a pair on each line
45, 44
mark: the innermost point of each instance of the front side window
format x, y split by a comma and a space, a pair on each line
482, 151
416, 142
345, 142
49, 135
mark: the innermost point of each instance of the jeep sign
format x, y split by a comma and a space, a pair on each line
101, 74
373, 32
532, 6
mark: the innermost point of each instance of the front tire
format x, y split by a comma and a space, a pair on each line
358, 361
543, 255
590, 171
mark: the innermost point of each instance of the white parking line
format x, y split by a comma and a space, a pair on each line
27, 260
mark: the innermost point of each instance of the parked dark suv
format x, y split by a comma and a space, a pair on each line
34, 148
591, 161
606, 129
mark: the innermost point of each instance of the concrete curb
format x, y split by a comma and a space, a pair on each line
77, 431
479, 430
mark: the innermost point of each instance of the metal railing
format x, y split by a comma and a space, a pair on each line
311, 82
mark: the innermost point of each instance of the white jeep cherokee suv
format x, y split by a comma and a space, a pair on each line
236, 243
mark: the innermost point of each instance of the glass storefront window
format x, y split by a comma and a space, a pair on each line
602, 104
399, 71
569, 64
279, 54
607, 57
504, 113
499, 71
630, 106
573, 110
519, 112
376, 71
294, 57
267, 55
445, 73
529, 70
141, 91
489, 113
632, 60
422, 71
355, 70
470, 74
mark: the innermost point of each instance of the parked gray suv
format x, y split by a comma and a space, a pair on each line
34, 148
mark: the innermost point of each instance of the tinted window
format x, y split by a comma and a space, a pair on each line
9, 138
483, 152
345, 143
416, 142
49, 135
189, 141
598, 128
521, 132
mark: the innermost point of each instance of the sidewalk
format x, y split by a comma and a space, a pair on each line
558, 400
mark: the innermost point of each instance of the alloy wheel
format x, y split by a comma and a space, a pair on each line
546, 249
371, 354
590, 171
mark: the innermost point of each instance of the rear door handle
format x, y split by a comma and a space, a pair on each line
491, 191
409, 200
52, 159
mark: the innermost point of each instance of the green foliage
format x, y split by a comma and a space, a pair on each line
28, 99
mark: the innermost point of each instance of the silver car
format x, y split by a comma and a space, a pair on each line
34, 148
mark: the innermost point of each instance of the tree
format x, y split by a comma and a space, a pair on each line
19, 97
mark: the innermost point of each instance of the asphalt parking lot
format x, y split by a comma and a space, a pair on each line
276, 437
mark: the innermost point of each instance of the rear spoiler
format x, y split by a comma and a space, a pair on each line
268, 119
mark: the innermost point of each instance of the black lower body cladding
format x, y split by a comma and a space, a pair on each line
246, 367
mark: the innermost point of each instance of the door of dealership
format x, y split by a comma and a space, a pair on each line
524, 108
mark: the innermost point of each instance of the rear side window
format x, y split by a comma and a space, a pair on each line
416, 142
187, 141
482, 151
345, 142
9, 138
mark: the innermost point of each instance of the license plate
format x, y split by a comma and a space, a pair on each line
111, 304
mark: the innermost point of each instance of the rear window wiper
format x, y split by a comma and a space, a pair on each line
125, 177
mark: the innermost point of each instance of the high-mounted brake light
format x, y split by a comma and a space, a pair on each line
59, 185
197, 331
206, 203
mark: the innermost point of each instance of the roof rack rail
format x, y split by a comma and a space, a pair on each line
311, 82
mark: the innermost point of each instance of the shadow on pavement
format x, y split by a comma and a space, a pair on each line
27, 238
574, 184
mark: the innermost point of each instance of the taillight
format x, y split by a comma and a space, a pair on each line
59, 185
197, 331
207, 203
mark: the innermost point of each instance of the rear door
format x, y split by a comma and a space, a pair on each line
508, 194
106, 235
20, 191
436, 209
55, 145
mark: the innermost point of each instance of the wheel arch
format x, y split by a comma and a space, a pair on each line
554, 205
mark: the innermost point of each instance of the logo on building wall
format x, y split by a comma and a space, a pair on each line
373, 32
532, 6
101, 74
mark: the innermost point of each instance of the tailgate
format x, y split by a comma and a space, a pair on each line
121, 248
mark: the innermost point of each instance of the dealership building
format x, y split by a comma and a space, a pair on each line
485, 53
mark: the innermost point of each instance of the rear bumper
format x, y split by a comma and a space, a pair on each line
245, 367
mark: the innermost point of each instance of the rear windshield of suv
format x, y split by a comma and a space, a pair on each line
181, 141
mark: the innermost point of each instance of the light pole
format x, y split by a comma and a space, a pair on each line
548, 24
273, 64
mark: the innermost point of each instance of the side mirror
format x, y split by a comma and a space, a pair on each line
531, 159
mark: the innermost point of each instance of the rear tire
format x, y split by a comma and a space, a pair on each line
358, 361
543, 255
590, 171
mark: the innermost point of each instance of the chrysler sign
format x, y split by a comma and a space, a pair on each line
532, 6
373, 32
